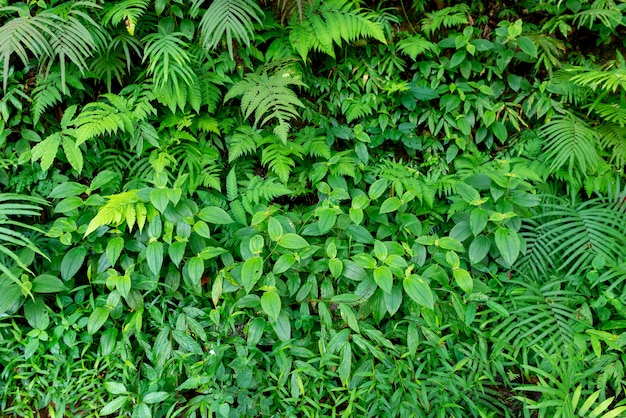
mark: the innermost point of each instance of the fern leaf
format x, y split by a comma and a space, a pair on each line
269, 98
44, 96
332, 22
613, 138
127, 11
416, 45
275, 156
447, 17
232, 19
114, 211
242, 142
572, 143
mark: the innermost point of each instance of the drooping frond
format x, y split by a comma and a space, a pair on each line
570, 143
121, 207
230, 18
416, 45
243, 141
329, 23
604, 12
169, 60
606, 79
611, 112
566, 237
268, 98
613, 138
447, 17
127, 11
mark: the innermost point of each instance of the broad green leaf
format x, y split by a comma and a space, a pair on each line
97, 318
72, 262
36, 313
489, 117
155, 397
282, 326
360, 234
176, 251
499, 130
251, 272
73, 154
160, 199
115, 388
478, 220
527, 46
114, 405
208, 253
452, 259
114, 249
292, 241
498, 308
349, 316
364, 260
201, 228
67, 189
10, 295
418, 290
448, 243
345, 366
391, 204
479, 248
327, 218
192, 273
274, 228
215, 215
154, 257
185, 342
378, 188
508, 243
393, 300
256, 327
46, 151
68, 204
283, 263
335, 266
383, 278
46, 283
463, 279
270, 303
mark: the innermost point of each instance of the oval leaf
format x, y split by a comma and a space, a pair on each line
270, 303
418, 290
292, 241
215, 215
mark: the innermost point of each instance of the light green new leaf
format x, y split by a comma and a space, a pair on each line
270, 303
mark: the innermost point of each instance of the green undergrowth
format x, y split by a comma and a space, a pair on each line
245, 208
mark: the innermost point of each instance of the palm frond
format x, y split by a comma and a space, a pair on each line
570, 143
613, 138
329, 23
268, 98
230, 18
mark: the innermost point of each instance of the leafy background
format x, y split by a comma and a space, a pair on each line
312, 208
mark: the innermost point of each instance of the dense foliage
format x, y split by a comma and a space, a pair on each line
245, 208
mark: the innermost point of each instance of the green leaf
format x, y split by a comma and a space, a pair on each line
160, 198
155, 397
393, 300
154, 257
176, 252
327, 218
215, 215
378, 188
67, 189
360, 234
283, 263
391, 204
114, 405
115, 388
251, 272
10, 295
46, 150
292, 241
499, 130
114, 249
448, 243
463, 279
186, 342
270, 303
479, 248
282, 326
478, 220
383, 278
418, 290
72, 262
46, 283
73, 154
97, 318
201, 228
335, 266
274, 228
68, 205
527, 46
508, 243
192, 273
256, 327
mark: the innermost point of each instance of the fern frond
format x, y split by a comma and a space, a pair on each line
332, 22
44, 96
128, 11
613, 138
313, 144
447, 17
566, 237
230, 18
260, 190
570, 142
276, 157
606, 79
610, 17
613, 113
544, 315
269, 98
243, 142
416, 45
168, 60
115, 211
